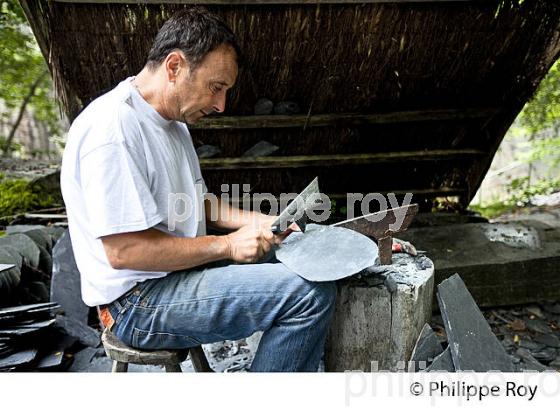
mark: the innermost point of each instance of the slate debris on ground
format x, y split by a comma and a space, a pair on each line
32, 337
529, 335
27, 336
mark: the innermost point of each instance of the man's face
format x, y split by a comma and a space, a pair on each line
199, 93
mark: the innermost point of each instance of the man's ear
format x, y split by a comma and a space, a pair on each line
174, 63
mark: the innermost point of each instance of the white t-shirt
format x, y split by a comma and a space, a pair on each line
121, 162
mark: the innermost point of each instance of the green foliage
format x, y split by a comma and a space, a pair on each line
18, 195
13, 147
540, 119
21, 65
539, 124
520, 194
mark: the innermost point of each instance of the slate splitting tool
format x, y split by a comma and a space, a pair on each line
296, 211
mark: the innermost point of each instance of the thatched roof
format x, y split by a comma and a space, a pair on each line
403, 96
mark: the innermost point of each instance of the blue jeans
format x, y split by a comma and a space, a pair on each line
209, 304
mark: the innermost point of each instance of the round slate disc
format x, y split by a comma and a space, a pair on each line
325, 253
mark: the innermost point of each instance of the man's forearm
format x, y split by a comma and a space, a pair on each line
153, 250
224, 216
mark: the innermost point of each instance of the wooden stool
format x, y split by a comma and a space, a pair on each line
122, 355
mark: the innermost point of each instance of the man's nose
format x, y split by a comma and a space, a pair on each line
220, 104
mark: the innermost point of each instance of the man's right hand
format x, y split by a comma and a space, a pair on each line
248, 244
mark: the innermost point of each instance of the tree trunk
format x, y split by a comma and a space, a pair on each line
22, 108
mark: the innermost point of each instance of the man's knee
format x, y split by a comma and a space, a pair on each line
325, 292
322, 294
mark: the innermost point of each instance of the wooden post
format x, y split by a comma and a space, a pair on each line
374, 329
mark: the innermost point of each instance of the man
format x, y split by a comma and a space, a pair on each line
160, 288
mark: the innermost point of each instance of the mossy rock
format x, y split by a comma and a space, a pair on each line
20, 195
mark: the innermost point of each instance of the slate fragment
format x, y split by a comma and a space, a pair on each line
10, 277
549, 340
51, 360
11, 229
427, 348
25, 246
546, 355
442, 363
18, 359
261, 149
529, 362
41, 237
10, 255
55, 232
530, 344
263, 106
472, 344
538, 326
286, 108
207, 151
17, 314
65, 281
86, 335
326, 253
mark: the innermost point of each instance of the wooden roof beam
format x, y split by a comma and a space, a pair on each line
301, 161
261, 2
342, 119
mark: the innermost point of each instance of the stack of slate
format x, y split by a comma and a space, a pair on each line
471, 345
26, 337
34, 258
27, 250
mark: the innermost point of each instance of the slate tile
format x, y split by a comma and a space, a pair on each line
25, 246
538, 326
66, 282
427, 348
207, 151
41, 237
472, 344
261, 149
549, 340
546, 355
535, 311
529, 362
442, 363
51, 360
15, 310
530, 345
18, 359
85, 334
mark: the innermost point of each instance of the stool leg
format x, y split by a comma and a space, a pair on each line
119, 367
199, 361
173, 368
